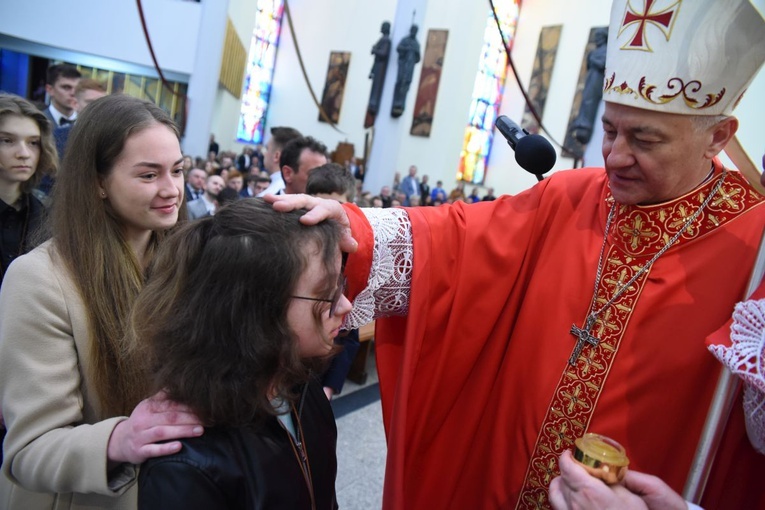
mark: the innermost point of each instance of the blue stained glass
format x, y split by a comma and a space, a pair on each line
260, 71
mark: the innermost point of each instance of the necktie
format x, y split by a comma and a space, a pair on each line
64, 121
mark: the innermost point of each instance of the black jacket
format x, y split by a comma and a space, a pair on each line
18, 229
245, 468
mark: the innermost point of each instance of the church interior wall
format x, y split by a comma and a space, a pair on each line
112, 30
323, 26
438, 154
225, 115
504, 174
750, 112
109, 29
342, 25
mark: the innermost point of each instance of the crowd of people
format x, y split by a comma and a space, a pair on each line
260, 170
413, 192
173, 329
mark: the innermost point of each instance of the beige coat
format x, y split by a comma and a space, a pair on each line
55, 450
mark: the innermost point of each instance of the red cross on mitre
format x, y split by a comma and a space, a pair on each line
662, 19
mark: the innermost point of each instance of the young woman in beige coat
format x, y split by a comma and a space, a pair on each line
71, 398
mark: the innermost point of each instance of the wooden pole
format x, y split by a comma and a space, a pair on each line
744, 164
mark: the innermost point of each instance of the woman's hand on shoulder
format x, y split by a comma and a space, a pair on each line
153, 421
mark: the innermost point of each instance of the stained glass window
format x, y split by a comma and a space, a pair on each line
260, 71
487, 92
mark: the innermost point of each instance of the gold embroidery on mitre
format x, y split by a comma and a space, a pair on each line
685, 90
663, 19
623, 88
575, 398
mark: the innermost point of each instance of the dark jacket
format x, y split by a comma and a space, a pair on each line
18, 230
245, 468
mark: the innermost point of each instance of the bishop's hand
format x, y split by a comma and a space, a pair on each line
319, 209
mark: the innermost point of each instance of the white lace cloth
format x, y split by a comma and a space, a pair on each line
387, 291
746, 359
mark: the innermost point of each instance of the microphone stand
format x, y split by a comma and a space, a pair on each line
719, 410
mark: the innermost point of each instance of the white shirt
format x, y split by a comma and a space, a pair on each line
210, 205
57, 115
276, 187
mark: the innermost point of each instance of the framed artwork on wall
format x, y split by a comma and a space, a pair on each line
430, 77
539, 84
334, 86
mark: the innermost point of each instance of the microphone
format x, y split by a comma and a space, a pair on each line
532, 152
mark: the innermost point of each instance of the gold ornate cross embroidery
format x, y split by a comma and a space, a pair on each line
727, 197
614, 285
637, 232
604, 323
575, 399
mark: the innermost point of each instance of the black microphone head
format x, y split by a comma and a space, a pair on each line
535, 154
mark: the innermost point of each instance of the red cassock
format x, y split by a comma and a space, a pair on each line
478, 396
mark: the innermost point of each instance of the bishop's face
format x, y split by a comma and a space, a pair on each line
652, 157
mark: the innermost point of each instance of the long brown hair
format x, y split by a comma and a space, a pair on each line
88, 237
212, 318
48, 162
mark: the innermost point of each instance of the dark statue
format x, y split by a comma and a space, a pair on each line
381, 51
408, 55
592, 93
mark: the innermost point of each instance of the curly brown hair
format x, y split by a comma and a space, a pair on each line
211, 321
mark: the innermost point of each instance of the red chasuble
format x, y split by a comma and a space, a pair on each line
478, 396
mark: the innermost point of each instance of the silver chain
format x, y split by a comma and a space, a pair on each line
594, 315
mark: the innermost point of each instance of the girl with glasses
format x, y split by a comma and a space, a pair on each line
239, 312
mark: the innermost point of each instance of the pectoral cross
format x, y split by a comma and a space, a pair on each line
583, 338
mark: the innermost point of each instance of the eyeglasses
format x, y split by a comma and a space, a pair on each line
341, 282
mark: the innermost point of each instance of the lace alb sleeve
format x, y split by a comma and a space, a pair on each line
390, 278
746, 359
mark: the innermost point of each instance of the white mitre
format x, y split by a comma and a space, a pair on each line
692, 57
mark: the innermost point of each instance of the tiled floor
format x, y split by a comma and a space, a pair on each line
360, 444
